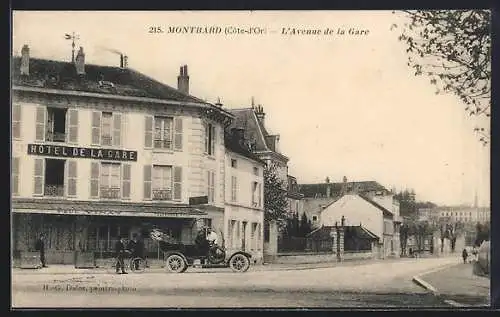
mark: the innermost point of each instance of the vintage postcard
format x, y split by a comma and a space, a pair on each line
250, 159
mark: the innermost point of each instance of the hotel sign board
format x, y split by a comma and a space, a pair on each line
82, 152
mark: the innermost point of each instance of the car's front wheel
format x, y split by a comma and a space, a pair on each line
239, 263
175, 263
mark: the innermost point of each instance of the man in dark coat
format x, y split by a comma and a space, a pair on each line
120, 252
40, 246
465, 255
136, 248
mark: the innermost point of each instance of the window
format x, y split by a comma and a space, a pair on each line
259, 195
56, 125
255, 194
54, 177
256, 171
110, 180
16, 121
234, 188
162, 182
106, 134
234, 163
315, 218
211, 186
106, 128
163, 133
209, 139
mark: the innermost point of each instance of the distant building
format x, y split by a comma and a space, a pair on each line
366, 204
266, 147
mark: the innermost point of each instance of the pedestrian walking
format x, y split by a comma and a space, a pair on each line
465, 255
120, 252
40, 246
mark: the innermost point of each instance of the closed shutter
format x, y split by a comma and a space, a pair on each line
94, 179
96, 128
16, 121
73, 126
147, 182
39, 176
15, 176
148, 132
117, 129
177, 183
212, 139
72, 177
178, 134
126, 181
41, 114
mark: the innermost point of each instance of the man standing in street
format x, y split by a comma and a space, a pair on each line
120, 251
40, 246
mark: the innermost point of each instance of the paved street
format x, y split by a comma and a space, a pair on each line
459, 284
381, 284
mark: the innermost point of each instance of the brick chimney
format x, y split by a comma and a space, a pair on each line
123, 61
183, 80
259, 112
25, 60
80, 62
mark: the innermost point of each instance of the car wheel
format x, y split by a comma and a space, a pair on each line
239, 263
175, 263
137, 265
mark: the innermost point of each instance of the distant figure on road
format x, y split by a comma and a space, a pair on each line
465, 255
40, 246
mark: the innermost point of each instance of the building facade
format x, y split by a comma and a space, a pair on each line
99, 152
266, 146
244, 207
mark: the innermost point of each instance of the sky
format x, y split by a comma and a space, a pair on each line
343, 104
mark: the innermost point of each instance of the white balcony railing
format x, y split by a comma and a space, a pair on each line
162, 194
55, 136
54, 190
110, 192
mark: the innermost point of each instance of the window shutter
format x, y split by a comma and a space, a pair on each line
15, 176
94, 179
126, 181
71, 178
207, 134
177, 183
96, 128
147, 182
212, 139
73, 125
117, 129
178, 134
148, 132
39, 176
41, 114
16, 121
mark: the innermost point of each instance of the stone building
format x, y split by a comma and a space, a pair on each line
101, 151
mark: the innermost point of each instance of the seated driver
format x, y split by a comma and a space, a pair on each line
212, 237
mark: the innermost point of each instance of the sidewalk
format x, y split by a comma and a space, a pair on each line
156, 268
460, 286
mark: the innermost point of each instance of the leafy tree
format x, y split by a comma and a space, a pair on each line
482, 233
453, 48
407, 203
275, 202
305, 225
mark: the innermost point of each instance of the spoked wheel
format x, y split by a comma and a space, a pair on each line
137, 265
175, 263
239, 263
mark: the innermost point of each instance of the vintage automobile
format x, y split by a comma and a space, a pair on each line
178, 256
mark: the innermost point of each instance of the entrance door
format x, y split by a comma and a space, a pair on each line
243, 236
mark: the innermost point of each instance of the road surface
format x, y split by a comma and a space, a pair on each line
369, 285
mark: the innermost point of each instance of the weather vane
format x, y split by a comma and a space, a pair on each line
72, 37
